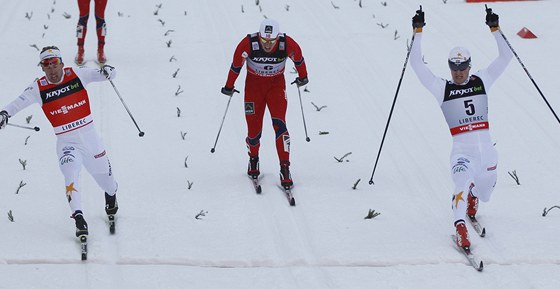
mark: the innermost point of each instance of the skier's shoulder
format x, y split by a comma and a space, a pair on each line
80, 69
33, 87
83, 72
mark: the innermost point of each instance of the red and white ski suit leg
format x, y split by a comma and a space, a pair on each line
262, 92
83, 147
84, 6
472, 165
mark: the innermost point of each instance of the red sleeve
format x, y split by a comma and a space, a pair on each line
295, 54
241, 52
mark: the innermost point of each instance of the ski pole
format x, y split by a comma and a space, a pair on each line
302, 115
36, 128
392, 107
530, 77
140, 132
221, 125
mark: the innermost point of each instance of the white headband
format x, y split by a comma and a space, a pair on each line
50, 53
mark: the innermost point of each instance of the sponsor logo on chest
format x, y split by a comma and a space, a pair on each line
67, 108
62, 90
268, 59
465, 91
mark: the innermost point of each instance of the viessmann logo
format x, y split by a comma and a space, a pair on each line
67, 108
62, 90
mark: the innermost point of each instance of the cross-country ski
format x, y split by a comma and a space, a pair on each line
83, 247
480, 230
474, 261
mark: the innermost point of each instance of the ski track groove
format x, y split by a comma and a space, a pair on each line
258, 264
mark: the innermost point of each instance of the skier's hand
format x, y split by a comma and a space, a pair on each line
109, 71
301, 81
492, 19
3, 119
229, 91
418, 20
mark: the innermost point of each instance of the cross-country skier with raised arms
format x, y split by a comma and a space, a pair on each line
464, 103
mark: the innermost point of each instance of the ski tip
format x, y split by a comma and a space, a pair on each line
480, 267
293, 202
483, 233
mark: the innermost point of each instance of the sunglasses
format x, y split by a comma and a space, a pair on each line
267, 41
459, 66
50, 62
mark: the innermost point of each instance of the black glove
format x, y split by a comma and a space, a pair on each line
418, 19
3, 119
301, 81
492, 19
229, 91
108, 71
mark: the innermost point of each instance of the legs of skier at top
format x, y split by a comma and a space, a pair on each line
81, 30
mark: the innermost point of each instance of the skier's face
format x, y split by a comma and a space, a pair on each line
268, 44
53, 69
460, 76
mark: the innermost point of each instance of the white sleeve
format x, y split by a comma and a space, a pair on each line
28, 97
498, 66
87, 74
434, 84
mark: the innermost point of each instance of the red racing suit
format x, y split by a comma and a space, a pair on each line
99, 20
265, 86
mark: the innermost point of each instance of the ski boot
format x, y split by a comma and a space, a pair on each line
285, 176
472, 206
101, 59
111, 208
462, 235
79, 59
253, 167
81, 225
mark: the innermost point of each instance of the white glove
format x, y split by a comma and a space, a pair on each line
3, 119
109, 71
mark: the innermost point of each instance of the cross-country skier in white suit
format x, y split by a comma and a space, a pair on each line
65, 102
464, 103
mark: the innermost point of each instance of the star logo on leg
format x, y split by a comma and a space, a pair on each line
69, 189
458, 197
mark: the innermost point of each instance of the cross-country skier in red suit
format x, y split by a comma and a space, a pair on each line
64, 99
100, 27
265, 53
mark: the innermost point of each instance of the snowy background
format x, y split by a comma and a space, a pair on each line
258, 241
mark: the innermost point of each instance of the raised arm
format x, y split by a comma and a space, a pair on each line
498, 66
434, 84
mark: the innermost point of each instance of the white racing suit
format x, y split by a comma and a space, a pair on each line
474, 159
66, 105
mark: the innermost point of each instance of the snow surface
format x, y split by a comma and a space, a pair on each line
258, 241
